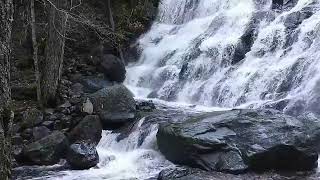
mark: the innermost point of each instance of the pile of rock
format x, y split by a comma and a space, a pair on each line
92, 98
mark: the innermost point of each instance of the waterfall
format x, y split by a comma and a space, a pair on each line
134, 156
217, 53
232, 53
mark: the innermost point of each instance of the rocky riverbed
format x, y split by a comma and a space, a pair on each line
224, 144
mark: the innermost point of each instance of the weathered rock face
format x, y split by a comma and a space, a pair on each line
283, 4
89, 129
240, 140
82, 155
114, 105
190, 174
113, 68
47, 150
185, 173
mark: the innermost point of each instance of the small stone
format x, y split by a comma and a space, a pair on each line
87, 107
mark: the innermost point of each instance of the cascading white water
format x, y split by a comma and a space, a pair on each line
129, 158
133, 157
232, 53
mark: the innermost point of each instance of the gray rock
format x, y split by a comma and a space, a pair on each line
145, 105
238, 140
47, 150
87, 106
114, 105
113, 68
82, 155
185, 173
40, 132
89, 129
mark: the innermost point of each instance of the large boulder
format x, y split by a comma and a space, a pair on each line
89, 129
82, 155
115, 105
185, 173
240, 140
113, 68
191, 174
47, 150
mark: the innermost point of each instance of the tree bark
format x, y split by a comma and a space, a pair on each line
35, 51
110, 15
52, 70
6, 18
113, 27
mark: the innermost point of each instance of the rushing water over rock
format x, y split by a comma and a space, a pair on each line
233, 53
224, 53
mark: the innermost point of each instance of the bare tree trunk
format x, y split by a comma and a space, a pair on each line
52, 70
35, 51
113, 27
110, 15
6, 18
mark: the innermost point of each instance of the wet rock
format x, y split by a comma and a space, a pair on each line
40, 132
89, 129
145, 105
115, 105
294, 19
47, 150
185, 173
113, 68
240, 140
38, 172
82, 155
132, 53
31, 118
191, 174
283, 4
